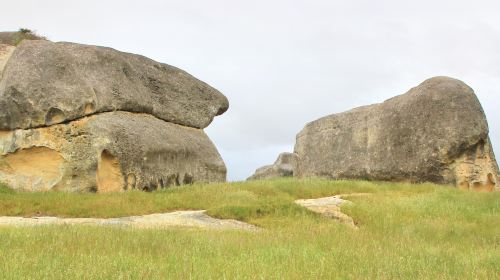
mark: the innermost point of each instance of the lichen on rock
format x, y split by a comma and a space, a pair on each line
437, 132
86, 118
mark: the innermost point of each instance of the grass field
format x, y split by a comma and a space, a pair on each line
406, 232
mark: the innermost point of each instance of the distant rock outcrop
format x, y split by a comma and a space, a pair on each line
282, 167
437, 132
86, 118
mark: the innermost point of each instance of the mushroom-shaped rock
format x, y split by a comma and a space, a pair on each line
85, 118
45, 83
437, 132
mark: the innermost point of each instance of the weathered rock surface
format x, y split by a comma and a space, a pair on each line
85, 118
330, 207
282, 167
108, 152
196, 218
436, 132
45, 83
5, 53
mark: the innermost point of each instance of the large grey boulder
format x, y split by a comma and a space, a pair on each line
86, 118
437, 132
45, 83
282, 167
108, 152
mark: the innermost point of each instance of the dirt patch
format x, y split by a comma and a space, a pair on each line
330, 207
197, 219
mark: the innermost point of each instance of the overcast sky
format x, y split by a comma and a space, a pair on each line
285, 63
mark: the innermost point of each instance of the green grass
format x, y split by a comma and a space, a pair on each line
406, 232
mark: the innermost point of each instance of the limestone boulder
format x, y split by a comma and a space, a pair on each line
5, 53
106, 152
436, 132
45, 83
282, 167
86, 118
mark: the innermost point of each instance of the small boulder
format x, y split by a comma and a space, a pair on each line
282, 167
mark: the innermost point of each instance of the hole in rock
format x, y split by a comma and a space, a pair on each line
39, 167
177, 182
464, 185
89, 108
153, 186
131, 181
490, 183
109, 177
188, 179
171, 180
54, 115
488, 186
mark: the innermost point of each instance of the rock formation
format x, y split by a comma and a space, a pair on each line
86, 118
282, 167
48, 83
437, 132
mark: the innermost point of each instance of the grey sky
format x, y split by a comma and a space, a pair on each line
285, 63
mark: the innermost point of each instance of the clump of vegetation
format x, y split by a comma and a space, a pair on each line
5, 189
15, 38
405, 232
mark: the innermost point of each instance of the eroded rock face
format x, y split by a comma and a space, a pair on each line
33, 168
108, 152
436, 132
45, 83
86, 118
282, 167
